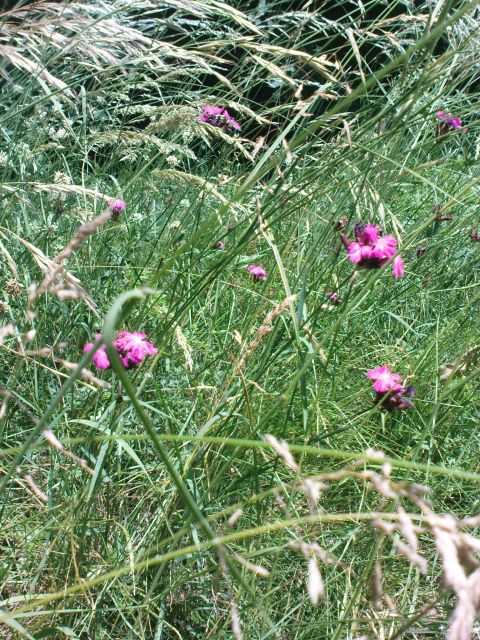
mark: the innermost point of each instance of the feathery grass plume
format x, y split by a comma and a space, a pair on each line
58, 446
35, 489
85, 373
82, 234
461, 572
182, 341
122, 141
265, 328
190, 180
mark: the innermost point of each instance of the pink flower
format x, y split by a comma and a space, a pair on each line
451, 122
371, 250
369, 235
358, 252
257, 271
220, 246
210, 111
99, 358
117, 206
398, 268
385, 380
133, 348
218, 117
385, 247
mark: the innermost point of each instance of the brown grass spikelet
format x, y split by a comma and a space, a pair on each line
83, 232
13, 287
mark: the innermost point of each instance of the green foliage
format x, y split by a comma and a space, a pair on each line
101, 100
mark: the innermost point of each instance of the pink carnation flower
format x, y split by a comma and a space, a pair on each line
388, 382
218, 117
371, 250
117, 206
133, 348
385, 380
257, 271
450, 122
99, 358
385, 247
398, 267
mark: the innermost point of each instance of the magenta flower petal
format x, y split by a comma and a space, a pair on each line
257, 271
354, 252
384, 379
369, 234
133, 347
126, 362
385, 247
234, 124
211, 110
88, 347
398, 267
117, 206
100, 357
367, 252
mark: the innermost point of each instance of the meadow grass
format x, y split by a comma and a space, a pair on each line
162, 507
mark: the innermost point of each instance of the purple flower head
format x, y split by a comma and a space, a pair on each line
387, 382
99, 358
371, 249
450, 122
257, 271
220, 246
210, 112
218, 117
367, 233
397, 400
133, 348
117, 206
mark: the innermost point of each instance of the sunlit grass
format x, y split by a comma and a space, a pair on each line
142, 546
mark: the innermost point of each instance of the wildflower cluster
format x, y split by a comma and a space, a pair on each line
257, 271
219, 117
116, 207
391, 395
449, 122
132, 347
372, 250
